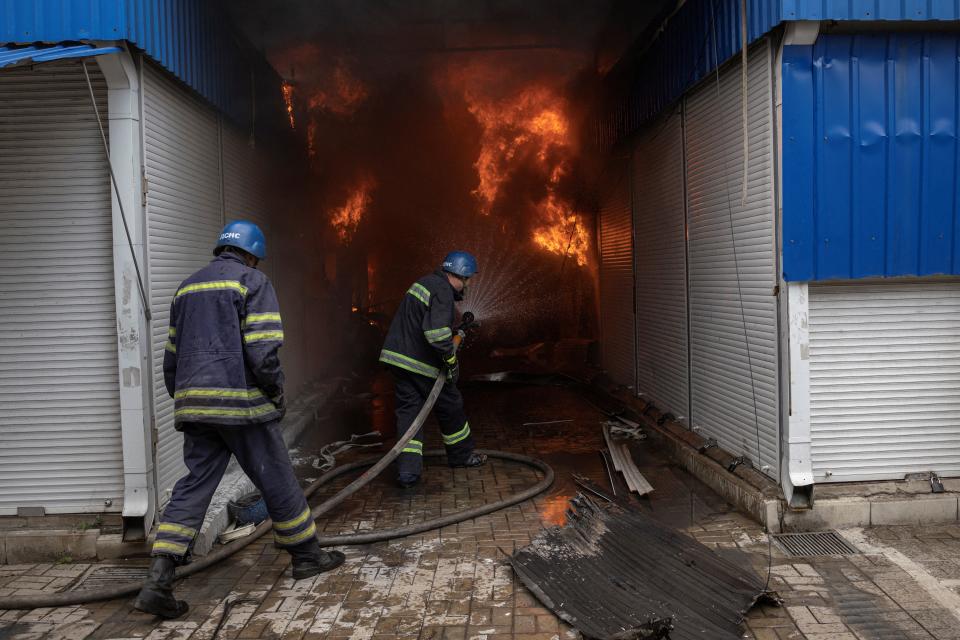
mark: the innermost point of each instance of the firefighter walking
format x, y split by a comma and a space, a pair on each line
222, 368
419, 345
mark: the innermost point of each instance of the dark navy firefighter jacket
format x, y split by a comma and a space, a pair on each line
221, 363
420, 338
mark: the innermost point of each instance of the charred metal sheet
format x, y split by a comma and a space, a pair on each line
618, 575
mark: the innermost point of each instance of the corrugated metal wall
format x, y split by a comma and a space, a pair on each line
60, 442
184, 217
246, 189
732, 259
617, 322
869, 10
870, 156
661, 271
884, 379
703, 34
189, 38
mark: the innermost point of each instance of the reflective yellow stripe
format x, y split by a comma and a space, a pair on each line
420, 292
296, 522
452, 359
249, 394
217, 285
405, 362
172, 547
437, 335
172, 348
414, 446
179, 529
260, 336
255, 318
297, 537
251, 412
172, 332
454, 438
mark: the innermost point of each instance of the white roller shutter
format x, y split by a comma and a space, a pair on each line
245, 187
617, 323
60, 442
661, 269
723, 395
884, 379
184, 216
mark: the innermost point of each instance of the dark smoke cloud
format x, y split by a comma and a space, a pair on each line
415, 136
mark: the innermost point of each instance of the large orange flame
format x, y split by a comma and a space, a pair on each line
531, 126
346, 219
287, 89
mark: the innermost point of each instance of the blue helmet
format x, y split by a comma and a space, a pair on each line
460, 263
244, 235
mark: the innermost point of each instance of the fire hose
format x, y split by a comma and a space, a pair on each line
72, 598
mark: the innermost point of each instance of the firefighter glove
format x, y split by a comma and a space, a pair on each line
281, 404
453, 369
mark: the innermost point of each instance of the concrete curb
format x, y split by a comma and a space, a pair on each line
835, 506
746, 488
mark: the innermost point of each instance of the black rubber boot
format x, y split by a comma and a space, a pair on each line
309, 559
156, 595
407, 480
473, 460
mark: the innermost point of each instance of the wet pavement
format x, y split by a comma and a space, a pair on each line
454, 583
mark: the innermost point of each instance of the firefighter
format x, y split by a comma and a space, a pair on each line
419, 345
222, 369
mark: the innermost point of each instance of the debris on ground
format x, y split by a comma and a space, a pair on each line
614, 573
622, 460
326, 459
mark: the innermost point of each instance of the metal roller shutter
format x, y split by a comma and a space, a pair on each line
245, 187
661, 269
60, 439
884, 379
723, 395
617, 323
184, 217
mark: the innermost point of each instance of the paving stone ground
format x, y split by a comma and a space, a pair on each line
454, 583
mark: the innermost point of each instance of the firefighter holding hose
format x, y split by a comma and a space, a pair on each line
222, 368
419, 346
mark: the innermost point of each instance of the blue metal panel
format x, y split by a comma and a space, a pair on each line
870, 156
183, 36
13, 55
871, 9
705, 33
698, 38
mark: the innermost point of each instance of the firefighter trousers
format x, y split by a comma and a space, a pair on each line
262, 455
411, 392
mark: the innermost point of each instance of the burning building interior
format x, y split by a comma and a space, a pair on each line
603, 286
436, 126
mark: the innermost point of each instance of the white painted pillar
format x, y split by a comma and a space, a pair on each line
798, 479
133, 330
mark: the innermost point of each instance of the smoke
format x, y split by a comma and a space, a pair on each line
411, 103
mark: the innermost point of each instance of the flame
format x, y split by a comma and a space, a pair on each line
287, 89
530, 127
346, 219
562, 233
342, 93
531, 122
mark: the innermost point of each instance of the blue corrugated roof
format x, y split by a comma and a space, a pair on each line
871, 156
703, 34
185, 36
48, 53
